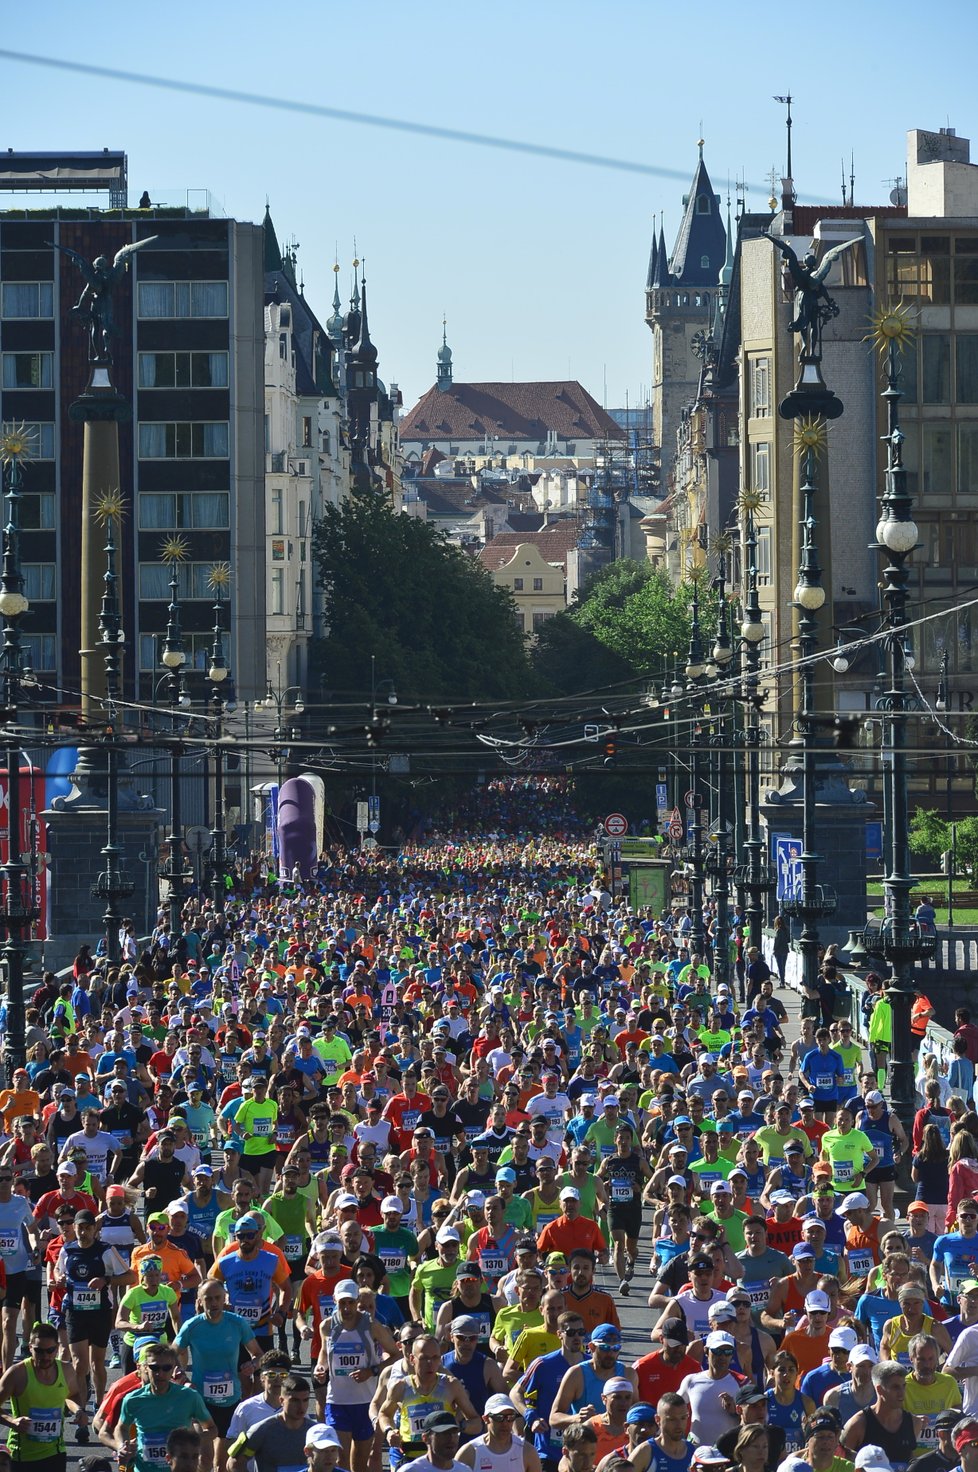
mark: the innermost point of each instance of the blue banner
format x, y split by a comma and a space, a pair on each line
786, 853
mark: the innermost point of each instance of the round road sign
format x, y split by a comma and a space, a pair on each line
675, 828
615, 824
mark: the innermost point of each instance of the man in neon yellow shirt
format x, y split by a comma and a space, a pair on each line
255, 1123
335, 1051
849, 1151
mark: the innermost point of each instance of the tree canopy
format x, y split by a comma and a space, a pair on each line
396, 588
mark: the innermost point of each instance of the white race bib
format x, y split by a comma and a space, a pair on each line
45, 1423
218, 1389
85, 1298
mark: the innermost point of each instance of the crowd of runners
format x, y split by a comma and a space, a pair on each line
364, 1171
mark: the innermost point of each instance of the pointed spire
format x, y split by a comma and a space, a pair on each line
364, 350
444, 381
662, 275
700, 244
273, 253
334, 326
726, 274
650, 279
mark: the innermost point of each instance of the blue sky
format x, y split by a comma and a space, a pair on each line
538, 264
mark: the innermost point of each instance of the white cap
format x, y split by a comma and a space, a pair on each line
719, 1188
708, 1456
781, 1198
475, 1198
609, 1099
863, 1353
872, 1459
319, 1436
745, 1094
677, 1181
738, 1170
719, 1340
346, 1288
854, 1202
874, 1097
345, 1199
175, 1208
589, 1099
392, 1203
570, 1193
328, 1241
447, 1234
817, 1302
499, 1403
843, 1339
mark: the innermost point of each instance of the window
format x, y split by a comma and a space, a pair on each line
935, 268
183, 510
42, 440
326, 442
702, 204
27, 299
28, 370
193, 581
935, 460
278, 591
183, 370
966, 368
306, 432
40, 582
760, 388
936, 364
300, 604
967, 483
277, 519
704, 263
760, 455
541, 618
302, 518
41, 651
182, 299
37, 512
517, 585
183, 441
197, 647
763, 555
907, 383
538, 585
966, 272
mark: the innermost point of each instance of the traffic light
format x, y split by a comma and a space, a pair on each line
610, 750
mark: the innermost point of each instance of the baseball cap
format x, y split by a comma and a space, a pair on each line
917, 1206
505, 1174
447, 1234
439, 1420
570, 1193
468, 1270
66, 1169
817, 1302
802, 1249
345, 1199
115, 1191
875, 1097
640, 1413
738, 1170
947, 1420
202, 1170
319, 1436
500, 1404
874, 1458
475, 1198
719, 1340
464, 1324
721, 1188
708, 1456
392, 1203
606, 1334
794, 1147
345, 1288
750, 1396
863, 1353
843, 1339
175, 1208
721, 1312
782, 1198
855, 1201
965, 1435
674, 1332
250, 1222
677, 1181
695, 1263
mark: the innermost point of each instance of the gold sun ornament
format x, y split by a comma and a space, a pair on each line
174, 549
892, 327
811, 436
16, 444
219, 577
110, 506
750, 503
721, 544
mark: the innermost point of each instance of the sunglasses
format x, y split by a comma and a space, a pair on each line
6, 1180
162, 1369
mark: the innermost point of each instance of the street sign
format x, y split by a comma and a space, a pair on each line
197, 838
689, 798
661, 797
615, 825
374, 826
675, 827
363, 818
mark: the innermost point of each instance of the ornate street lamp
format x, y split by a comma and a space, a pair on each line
217, 673
695, 675
898, 936
752, 635
720, 664
112, 884
173, 553
16, 891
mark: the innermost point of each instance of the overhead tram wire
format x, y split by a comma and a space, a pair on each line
361, 119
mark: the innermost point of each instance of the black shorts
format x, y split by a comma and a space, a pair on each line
57, 1462
626, 1218
221, 1416
254, 1163
18, 1287
93, 1325
881, 1174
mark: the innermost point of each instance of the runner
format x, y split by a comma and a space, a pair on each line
38, 1389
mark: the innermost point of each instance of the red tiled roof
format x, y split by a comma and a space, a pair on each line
521, 411
553, 543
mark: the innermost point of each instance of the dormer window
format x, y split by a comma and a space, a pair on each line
704, 263
702, 204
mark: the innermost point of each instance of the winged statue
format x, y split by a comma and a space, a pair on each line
95, 303
813, 305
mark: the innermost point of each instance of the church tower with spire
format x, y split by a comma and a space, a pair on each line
680, 307
444, 380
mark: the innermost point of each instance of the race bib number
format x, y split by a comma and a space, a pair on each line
9, 1243
292, 1248
393, 1260
346, 1362
153, 1449
85, 1298
825, 1081
472, 1132
284, 1135
122, 1139
410, 1118
229, 1068
219, 1390
262, 1127
621, 1191
758, 1293
153, 1315
45, 1423
492, 1266
545, 1216
860, 1262
418, 1413
844, 1170
251, 1310
327, 1305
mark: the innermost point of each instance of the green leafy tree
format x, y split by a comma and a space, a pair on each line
930, 835
396, 588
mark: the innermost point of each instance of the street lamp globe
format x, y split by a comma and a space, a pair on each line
299, 707
12, 605
752, 630
174, 658
896, 535
694, 669
217, 673
810, 596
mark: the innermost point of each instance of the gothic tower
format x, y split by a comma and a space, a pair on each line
680, 304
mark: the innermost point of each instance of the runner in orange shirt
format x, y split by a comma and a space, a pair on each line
571, 1229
